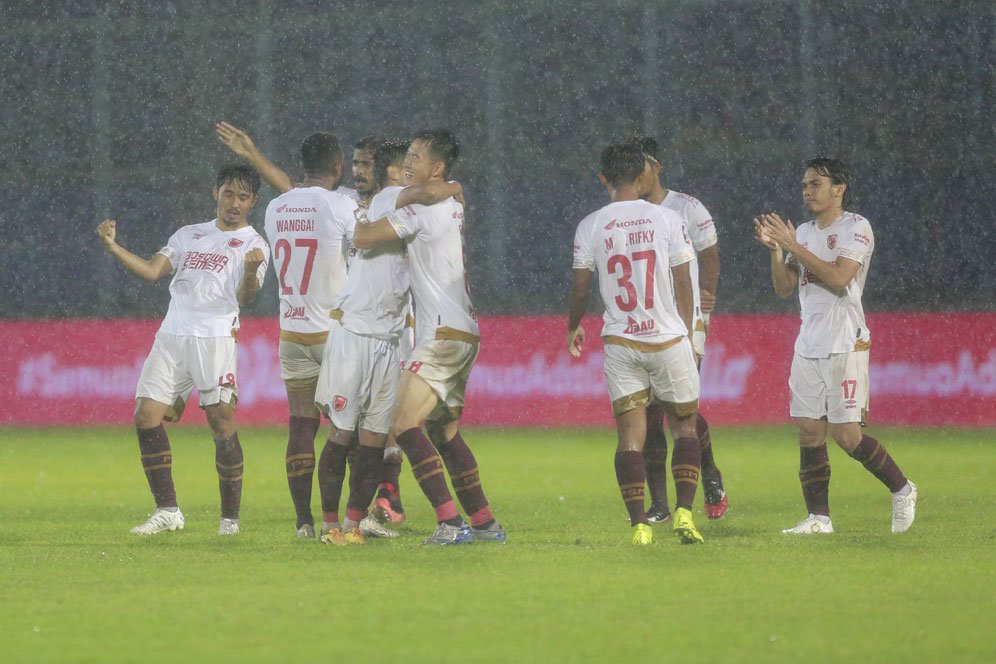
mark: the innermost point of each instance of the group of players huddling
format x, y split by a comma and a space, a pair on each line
358, 269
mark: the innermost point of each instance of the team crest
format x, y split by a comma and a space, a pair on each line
831, 241
235, 243
338, 403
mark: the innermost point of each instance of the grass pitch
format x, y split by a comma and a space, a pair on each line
567, 587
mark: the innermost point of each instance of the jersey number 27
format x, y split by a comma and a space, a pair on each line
282, 253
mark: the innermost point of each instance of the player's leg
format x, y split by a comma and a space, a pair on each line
387, 506
631, 430
363, 480
655, 461
713, 492
331, 477
299, 368
847, 409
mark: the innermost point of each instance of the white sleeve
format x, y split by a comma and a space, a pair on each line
405, 222
857, 243
680, 248
584, 257
701, 229
173, 250
265, 248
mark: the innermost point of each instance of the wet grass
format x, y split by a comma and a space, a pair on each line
567, 587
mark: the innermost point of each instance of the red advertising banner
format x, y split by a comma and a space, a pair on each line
926, 369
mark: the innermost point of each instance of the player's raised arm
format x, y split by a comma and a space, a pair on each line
577, 303
241, 144
430, 193
835, 275
151, 270
784, 277
249, 285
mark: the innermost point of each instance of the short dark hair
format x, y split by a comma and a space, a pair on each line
836, 171
442, 144
649, 146
239, 174
388, 153
321, 154
369, 143
622, 163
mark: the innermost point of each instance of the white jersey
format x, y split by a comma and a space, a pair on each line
208, 264
702, 233
349, 192
632, 245
310, 230
433, 235
375, 300
833, 321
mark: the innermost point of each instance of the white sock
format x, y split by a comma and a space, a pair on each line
170, 509
905, 491
822, 519
348, 524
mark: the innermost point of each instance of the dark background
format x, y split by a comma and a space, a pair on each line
107, 110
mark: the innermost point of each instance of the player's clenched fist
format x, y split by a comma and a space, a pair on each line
254, 258
106, 230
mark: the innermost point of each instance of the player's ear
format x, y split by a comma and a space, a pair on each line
601, 178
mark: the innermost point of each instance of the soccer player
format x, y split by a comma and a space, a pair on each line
705, 277
642, 256
360, 371
218, 267
447, 339
828, 259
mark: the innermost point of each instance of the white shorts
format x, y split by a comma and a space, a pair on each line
358, 382
699, 333
635, 377
835, 387
178, 365
445, 365
300, 365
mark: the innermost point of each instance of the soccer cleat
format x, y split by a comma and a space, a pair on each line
334, 536
385, 512
306, 531
714, 494
810, 526
160, 521
493, 533
370, 527
354, 536
904, 510
228, 527
642, 534
328, 527
658, 516
684, 527
447, 535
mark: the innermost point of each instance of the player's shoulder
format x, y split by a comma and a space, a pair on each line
855, 220
200, 229
349, 192
337, 200
383, 202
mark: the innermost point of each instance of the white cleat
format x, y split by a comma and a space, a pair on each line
904, 510
160, 521
370, 527
228, 527
810, 526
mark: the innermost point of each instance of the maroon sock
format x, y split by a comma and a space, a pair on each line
300, 461
229, 462
879, 463
708, 464
631, 475
685, 463
655, 459
157, 460
331, 474
389, 478
363, 478
466, 479
814, 474
428, 470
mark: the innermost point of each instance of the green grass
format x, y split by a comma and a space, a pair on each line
567, 587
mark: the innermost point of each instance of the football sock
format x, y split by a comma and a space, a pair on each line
879, 463
229, 462
466, 479
655, 459
814, 475
300, 461
708, 464
631, 475
157, 460
427, 467
363, 480
331, 475
685, 470
390, 474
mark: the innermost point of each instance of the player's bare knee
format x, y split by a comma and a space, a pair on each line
847, 436
147, 414
221, 419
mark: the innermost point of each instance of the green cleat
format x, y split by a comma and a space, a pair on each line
685, 528
642, 534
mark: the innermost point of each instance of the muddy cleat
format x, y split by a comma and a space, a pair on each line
228, 527
447, 535
904, 509
306, 531
354, 536
642, 534
684, 527
370, 527
334, 536
810, 526
329, 527
715, 495
493, 533
388, 511
658, 516
160, 521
